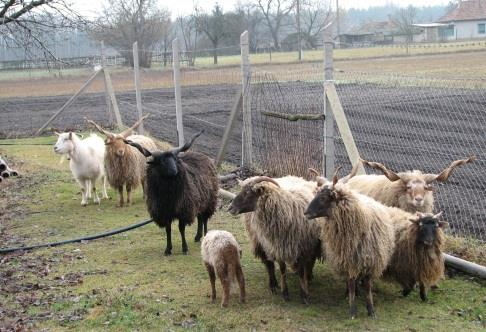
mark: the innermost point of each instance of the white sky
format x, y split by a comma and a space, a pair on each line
184, 7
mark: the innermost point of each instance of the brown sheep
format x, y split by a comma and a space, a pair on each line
221, 255
413, 193
418, 252
357, 234
278, 229
124, 165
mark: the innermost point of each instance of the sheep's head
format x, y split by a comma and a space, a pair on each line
115, 142
415, 183
325, 199
428, 226
64, 142
164, 161
246, 200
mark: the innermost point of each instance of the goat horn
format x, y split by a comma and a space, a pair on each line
129, 131
264, 178
335, 178
98, 127
392, 176
436, 216
140, 148
314, 171
444, 175
319, 179
186, 146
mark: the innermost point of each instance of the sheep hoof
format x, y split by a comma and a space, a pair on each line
434, 287
185, 252
197, 238
372, 315
224, 305
286, 297
167, 252
242, 300
406, 291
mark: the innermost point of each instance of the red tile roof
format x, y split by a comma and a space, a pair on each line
465, 11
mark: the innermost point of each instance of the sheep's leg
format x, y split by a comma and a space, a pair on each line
304, 284
272, 280
309, 267
129, 194
423, 292
120, 193
369, 296
212, 280
225, 282
352, 297
143, 190
168, 248
84, 199
283, 281
241, 283
88, 188
105, 184
96, 199
205, 222
199, 229
182, 230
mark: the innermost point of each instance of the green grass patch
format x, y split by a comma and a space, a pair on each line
125, 283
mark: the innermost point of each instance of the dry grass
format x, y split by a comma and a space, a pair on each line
451, 65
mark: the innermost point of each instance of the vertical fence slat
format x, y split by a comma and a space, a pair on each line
329, 120
177, 88
107, 96
136, 77
246, 139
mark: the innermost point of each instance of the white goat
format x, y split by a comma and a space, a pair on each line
86, 160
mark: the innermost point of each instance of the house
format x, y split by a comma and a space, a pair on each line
466, 21
376, 33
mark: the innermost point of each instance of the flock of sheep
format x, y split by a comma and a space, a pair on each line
363, 226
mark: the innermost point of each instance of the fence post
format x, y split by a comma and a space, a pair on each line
246, 138
329, 117
136, 77
107, 97
111, 92
177, 87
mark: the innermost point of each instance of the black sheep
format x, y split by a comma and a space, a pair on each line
180, 187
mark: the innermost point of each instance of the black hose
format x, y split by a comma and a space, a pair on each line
87, 238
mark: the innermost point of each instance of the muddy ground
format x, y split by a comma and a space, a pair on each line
405, 128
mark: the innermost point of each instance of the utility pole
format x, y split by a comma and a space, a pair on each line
337, 24
299, 35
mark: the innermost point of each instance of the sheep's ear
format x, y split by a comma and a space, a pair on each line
443, 224
70, 135
259, 188
240, 182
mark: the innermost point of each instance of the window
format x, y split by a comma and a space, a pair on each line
482, 28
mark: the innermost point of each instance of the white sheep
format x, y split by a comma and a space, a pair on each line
86, 160
221, 255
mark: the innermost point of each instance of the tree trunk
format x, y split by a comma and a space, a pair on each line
215, 56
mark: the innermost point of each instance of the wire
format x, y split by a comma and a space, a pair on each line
86, 238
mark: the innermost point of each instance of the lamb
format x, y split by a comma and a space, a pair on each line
413, 193
180, 187
278, 231
86, 161
221, 255
125, 167
357, 234
6, 171
418, 252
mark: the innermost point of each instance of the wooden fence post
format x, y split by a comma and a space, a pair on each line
110, 90
177, 87
329, 117
107, 96
136, 77
246, 139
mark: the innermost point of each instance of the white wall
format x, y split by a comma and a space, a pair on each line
468, 30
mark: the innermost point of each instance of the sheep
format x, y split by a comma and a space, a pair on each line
418, 252
86, 161
413, 193
124, 165
357, 234
221, 255
278, 230
180, 187
6, 171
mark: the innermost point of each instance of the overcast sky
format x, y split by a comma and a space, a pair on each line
184, 7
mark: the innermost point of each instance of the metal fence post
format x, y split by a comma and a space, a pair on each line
329, 117
246, 139
177, 87
136, 77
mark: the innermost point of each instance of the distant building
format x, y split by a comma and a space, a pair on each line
466, 21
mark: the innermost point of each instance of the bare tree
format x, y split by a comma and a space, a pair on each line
274, 13
124, 22
214, 27
405, 19
30, 25
315, 15
251, 20
187, 28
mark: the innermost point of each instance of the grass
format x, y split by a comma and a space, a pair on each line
127, 283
